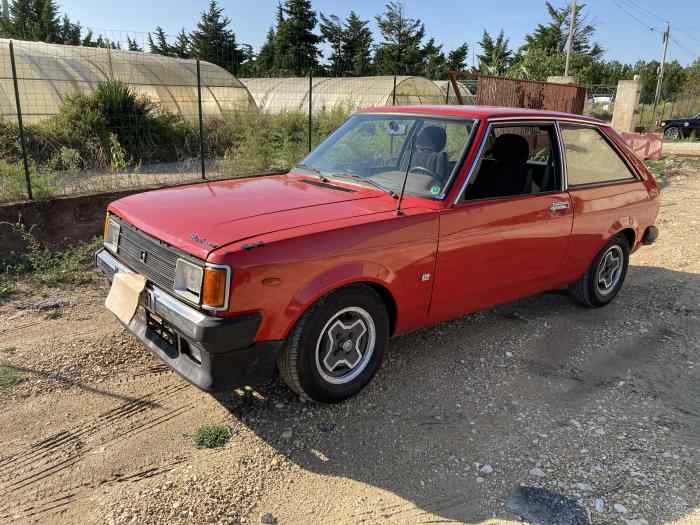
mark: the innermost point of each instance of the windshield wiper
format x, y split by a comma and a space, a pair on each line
313, 170
364, 179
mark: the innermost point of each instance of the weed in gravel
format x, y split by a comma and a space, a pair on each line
9, 376
209, 436
8, 350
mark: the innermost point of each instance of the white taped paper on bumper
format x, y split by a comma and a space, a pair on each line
123, 297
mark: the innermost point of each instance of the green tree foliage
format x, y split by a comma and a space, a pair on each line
214, 42
457, 58
495, 57
400, 52
182, 48
158, 42
350, 42
296, 45
555, 35
34, 20
132, 45
265, 61
434, 61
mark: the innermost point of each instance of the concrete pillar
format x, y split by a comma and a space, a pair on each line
626, 102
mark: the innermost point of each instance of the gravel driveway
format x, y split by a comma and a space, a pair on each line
599, 406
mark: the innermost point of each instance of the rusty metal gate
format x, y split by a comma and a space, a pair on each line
532, 94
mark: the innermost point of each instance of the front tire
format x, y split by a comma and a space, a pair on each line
337, 346
605, 276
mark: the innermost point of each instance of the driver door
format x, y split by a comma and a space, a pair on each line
505, 238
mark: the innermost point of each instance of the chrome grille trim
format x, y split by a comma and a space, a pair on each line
159, 267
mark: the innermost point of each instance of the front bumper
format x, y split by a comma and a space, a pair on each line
213, 353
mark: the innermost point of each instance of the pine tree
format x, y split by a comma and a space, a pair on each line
183, 45
357, 46
554, 36
23, 19
333, 33
69, 33
400, 53
265, 62
159, 45
296, 42
495, 58
132, 45
434, 61
47, 28
457, 58
213, 42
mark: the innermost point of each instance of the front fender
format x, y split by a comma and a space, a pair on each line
334, 278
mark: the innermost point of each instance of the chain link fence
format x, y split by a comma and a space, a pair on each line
85, 119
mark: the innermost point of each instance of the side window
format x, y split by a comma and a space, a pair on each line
590, 159
517, 160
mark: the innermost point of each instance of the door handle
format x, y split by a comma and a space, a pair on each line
558, 206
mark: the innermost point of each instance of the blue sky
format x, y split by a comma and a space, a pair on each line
623, 25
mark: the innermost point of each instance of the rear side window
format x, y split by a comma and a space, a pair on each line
590, 159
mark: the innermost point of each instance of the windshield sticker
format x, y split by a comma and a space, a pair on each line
435, 190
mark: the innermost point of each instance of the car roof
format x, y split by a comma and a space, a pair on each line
483, 112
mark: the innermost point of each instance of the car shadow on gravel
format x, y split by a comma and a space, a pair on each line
601, 406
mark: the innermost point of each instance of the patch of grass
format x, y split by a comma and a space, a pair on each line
9, 376
209, 436
73, 265
8, 350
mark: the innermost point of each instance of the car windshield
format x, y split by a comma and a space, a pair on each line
381, 149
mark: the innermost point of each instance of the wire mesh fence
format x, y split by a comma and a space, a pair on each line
89, 119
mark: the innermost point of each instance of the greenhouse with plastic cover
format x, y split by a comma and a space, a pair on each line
279, 95
48, 73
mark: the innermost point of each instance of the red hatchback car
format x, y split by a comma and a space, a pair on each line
402, 218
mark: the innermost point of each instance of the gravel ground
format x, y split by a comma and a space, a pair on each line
599, 406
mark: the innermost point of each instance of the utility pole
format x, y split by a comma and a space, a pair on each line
660, 79
570, 42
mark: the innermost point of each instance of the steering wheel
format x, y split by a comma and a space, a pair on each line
425, 171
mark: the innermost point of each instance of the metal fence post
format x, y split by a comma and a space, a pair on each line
393, 93
22, 140
447, 93
201, 120
311, 89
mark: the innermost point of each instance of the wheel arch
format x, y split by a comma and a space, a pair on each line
307, 297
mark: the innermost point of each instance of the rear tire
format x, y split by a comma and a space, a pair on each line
673, 133
605, 276
337, 345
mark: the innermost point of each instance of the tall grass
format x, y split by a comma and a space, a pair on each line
113, 130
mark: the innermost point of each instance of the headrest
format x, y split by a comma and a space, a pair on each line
511, 148
433, 138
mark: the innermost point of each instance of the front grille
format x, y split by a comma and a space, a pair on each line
135, 247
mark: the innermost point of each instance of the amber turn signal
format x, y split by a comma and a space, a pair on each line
214, 288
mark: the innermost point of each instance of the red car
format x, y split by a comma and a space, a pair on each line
402, 218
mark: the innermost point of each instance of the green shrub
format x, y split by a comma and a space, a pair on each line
73, 265
209, 436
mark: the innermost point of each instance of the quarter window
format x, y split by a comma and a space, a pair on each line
590, 159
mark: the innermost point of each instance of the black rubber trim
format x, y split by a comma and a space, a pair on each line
218, 371
650, 235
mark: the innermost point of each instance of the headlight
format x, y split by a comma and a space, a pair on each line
111, 234
207, 286
188, 280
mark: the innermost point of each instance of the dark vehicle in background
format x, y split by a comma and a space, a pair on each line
681, 128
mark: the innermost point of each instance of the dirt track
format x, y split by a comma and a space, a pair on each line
602, 406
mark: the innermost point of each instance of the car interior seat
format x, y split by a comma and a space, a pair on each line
430, 154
